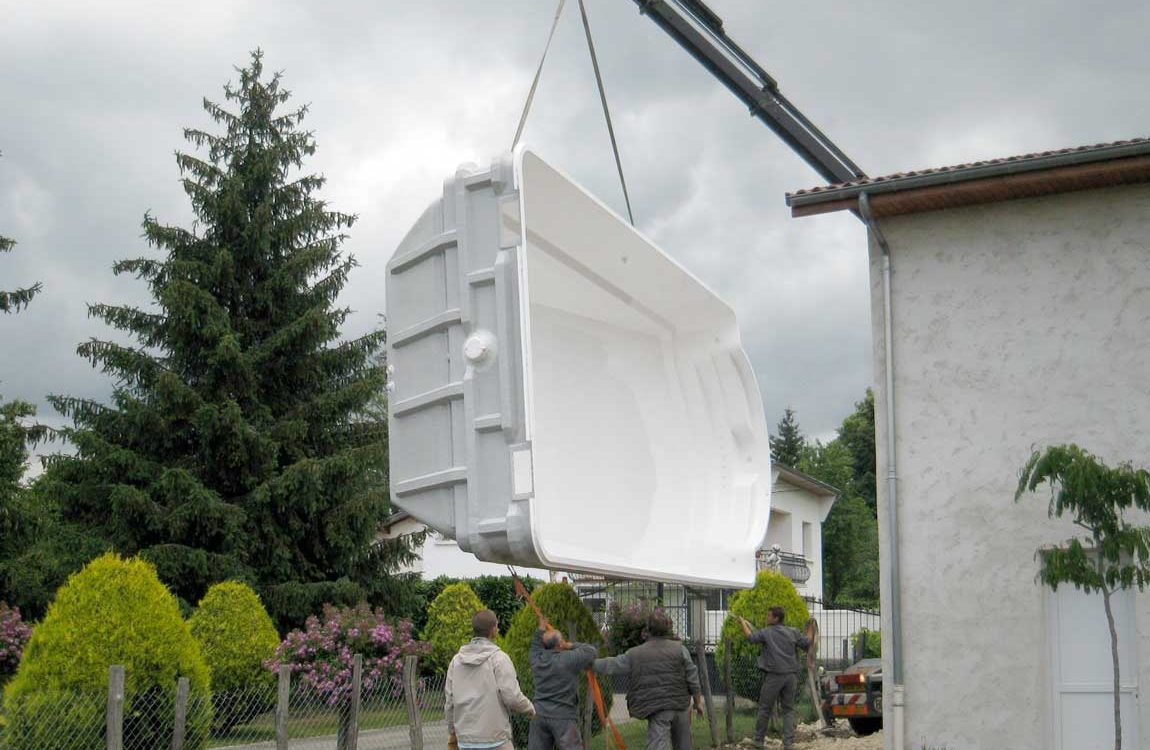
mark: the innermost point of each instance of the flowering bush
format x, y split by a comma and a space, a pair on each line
14, 635
626, 626
322, 653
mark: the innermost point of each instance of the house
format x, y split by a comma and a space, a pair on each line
1010, 310
799, 505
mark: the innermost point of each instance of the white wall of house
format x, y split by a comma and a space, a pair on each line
1018, 324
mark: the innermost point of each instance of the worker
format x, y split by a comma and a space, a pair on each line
779, 663
664, 683
482, 689
556, 666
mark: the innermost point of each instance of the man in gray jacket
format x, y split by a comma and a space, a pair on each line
482, 688
779, 662
664, 681
556, 666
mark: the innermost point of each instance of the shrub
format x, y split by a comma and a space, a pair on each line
236, 636
114, 611
771, 590
872, 648
449, 622
626, 626
14, 635
562, 607
322, 652
498, 594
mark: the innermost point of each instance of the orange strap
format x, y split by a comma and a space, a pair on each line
605, 719
593, 688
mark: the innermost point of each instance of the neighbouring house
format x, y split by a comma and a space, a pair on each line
1010, 310
799, 505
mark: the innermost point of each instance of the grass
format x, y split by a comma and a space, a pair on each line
635, 732
322, 723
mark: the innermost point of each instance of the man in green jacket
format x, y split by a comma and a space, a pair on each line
664, 683
556, 666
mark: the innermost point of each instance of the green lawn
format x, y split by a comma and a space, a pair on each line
635, 732
322, 723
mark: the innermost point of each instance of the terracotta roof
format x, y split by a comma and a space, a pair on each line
978, 170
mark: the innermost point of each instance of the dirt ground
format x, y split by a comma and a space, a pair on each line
807, 737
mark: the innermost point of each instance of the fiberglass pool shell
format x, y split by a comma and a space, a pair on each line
563, 394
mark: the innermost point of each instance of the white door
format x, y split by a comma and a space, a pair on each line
1082, 670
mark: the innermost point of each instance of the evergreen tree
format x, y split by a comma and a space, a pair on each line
787, 444
237, 443
17, 299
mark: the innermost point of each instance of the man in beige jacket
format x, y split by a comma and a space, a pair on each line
482, 688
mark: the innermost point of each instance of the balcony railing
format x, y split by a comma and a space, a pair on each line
795, 567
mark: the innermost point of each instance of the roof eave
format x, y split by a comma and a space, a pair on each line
846, 197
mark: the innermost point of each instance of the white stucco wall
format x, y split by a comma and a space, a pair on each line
1019, 324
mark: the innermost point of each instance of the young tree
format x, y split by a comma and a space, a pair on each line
238, 444
1116, 553
787, 444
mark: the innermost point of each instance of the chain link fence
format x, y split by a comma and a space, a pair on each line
386, 712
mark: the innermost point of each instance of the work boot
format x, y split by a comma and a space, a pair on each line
757, 743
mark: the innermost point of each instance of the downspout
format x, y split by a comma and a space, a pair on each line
898, 716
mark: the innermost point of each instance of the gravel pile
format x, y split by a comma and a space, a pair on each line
808, 737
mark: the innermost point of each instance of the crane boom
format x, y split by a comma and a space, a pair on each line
700, 31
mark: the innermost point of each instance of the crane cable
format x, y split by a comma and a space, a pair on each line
599, 86
538, 73
606, 110
593, 688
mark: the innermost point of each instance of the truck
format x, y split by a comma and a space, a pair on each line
855, 694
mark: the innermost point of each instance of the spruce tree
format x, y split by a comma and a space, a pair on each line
14, 300
237, 443
787, 444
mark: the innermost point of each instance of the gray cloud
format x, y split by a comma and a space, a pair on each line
95, 97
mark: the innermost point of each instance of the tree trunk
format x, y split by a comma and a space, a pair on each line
1117, 678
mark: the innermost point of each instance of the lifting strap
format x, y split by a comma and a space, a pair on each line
593, 688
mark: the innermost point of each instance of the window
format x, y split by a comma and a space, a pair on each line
808, 540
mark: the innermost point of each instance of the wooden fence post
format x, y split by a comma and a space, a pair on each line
115, 714
698, 613
347, 736
411, 698
283, 698
730, 688
178, 731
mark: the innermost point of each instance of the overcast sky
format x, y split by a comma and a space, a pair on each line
94, 96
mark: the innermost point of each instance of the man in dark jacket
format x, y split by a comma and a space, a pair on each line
664, 680
779, 662
556, 666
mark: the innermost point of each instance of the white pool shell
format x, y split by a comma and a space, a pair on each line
564, 394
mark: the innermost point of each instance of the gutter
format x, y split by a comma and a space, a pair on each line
897, 688
997, 168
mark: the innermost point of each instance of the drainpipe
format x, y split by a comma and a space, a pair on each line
897, 695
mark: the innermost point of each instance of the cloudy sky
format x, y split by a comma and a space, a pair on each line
94, 96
